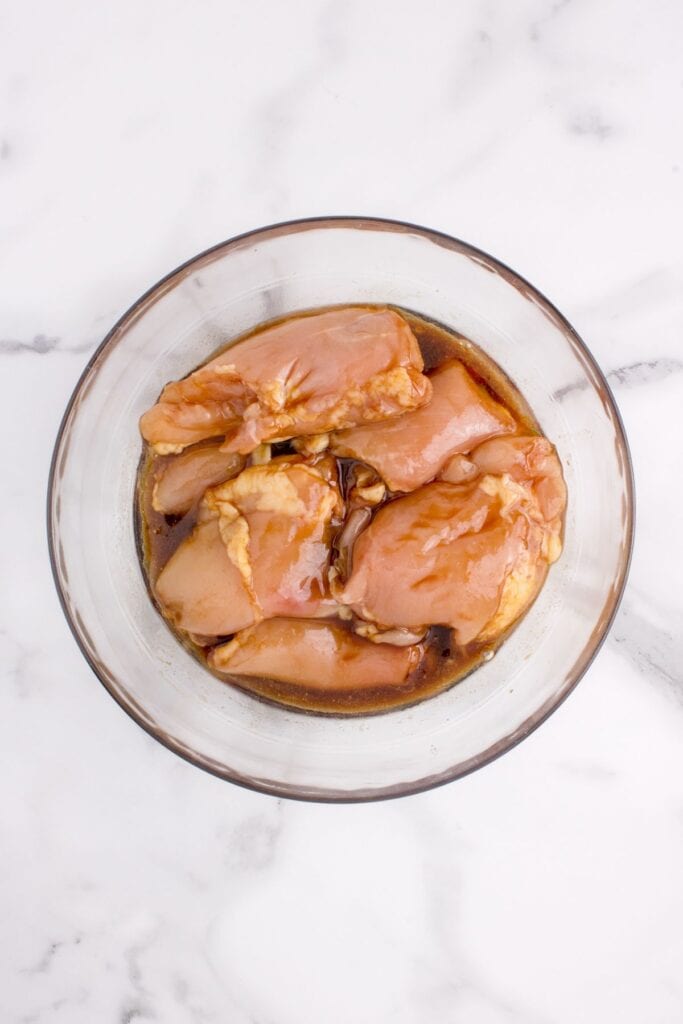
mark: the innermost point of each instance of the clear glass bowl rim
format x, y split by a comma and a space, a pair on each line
361, 222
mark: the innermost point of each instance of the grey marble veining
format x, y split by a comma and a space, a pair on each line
545, 889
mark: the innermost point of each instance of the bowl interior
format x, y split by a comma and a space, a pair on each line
216, 298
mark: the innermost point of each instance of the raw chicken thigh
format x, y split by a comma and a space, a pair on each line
470, 556
307, 375
182, 480
410, 450
533, 462
318, 655
200, 588
261, 548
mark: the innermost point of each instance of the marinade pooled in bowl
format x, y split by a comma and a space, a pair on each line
353, 526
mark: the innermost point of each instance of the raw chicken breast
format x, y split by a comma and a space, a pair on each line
182, 480
410, 450
315, 655
274, 523
444, 554
308, 375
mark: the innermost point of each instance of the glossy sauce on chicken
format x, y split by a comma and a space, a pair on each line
313, 524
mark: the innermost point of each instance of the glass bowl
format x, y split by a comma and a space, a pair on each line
177, 324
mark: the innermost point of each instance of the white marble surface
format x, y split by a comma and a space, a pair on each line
545, 889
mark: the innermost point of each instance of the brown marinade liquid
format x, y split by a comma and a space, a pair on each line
444, 663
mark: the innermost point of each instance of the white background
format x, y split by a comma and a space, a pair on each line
545, 889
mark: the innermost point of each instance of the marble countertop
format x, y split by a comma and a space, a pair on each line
546, 888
